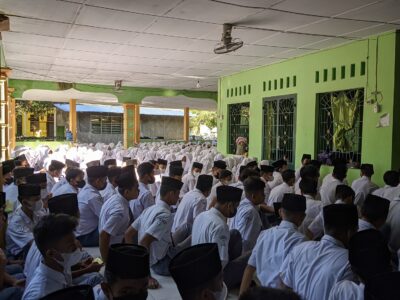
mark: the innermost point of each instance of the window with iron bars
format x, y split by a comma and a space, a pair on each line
339, 127
106, 124
238, 125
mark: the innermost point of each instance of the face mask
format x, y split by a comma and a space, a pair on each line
221, 295
36, 206
81, 184
227, 182
140, 296
196, 174
71, 259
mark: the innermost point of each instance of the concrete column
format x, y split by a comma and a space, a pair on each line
72, 118
55, 124
12, 125
186, 125
137, 124
4, 117
129, 125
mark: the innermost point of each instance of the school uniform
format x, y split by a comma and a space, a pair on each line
115, 218
144, 200
192, 204
213, 193
317, 225
364, 225
388, 192
51, 182
157, 221
90, 203
210, 227
20, 230
12, 202
362, 187
348, 290
328, 190
272, 246
108, 192
277, 180
312, 268
314, 208
239, 185
248, 222
58, 184
44, 282
267, 190
189, 183
393, 221
64, 189
278, 192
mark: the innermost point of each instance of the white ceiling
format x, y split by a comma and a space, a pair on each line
169, 43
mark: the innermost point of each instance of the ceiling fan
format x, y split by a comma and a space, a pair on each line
227, 44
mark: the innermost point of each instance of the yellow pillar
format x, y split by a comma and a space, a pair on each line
4, 117
12, 125
186, 125
129, 125
137, 123
72, 118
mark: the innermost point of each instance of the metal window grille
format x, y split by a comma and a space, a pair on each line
105, 124
327, 151
279, 131
238, 124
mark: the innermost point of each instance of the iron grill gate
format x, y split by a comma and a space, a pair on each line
279, 131
326, 150
238, 124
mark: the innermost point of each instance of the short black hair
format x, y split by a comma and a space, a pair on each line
253, 184
308, 186
391, 178
72, 173
263, 293
52, 228
343, 191
145, 169
287, 175
309, 171
340, 171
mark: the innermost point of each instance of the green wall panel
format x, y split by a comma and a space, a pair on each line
349, 66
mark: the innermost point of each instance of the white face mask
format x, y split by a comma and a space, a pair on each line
37, 206
196, 174
71, 259
222, 294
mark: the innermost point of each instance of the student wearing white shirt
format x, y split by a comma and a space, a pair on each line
344, 195
286, 187
369, 256
74, 182
312, 268
54, 172
307, 172
363, 185
266, 175
280, 166
193, 203
189, 180
225, 178
308, 189
145, 198
247, 219
111, 188
274, 244
305, 160
153, 228
211, 227
218, 167
115, 215
55, 239
391, 190
328, 188
373, 213
11, 190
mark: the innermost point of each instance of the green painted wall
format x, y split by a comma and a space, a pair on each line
378, 53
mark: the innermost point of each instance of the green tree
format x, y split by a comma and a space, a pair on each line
207, 118
37, 108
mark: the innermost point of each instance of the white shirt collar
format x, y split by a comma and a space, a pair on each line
330, 239
163, 204
287, 225
216, 212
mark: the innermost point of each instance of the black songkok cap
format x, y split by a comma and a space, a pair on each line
93, 163
175, 171
195, 266
176, 163
8, 166
204, 182
28, 190
64, 204
279, 163
171, 183
252, 164
341, 216
126, 158
128, 261
23, 172
78, 292
97, 171
110, 162
220, 164
267, 169
197, 165
71, 163
162, 162
57, 165
37, 178
293, 202
225, 192
114, 171
306, 156
126, 180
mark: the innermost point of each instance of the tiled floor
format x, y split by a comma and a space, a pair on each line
168, 290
